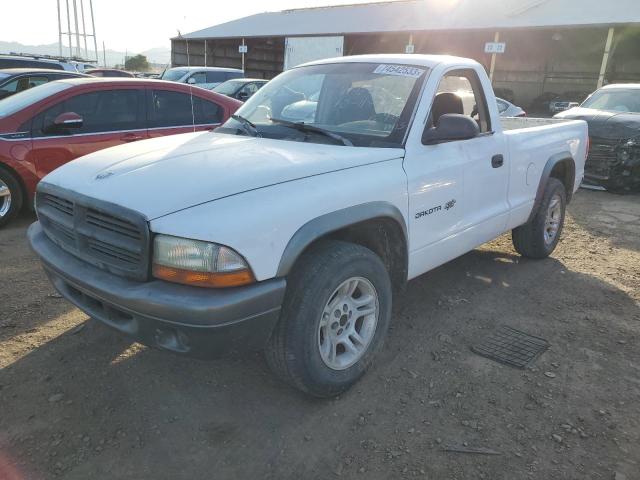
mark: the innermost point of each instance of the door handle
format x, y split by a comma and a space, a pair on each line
131, 137
497, 161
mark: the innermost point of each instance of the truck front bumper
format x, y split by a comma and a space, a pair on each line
193, 321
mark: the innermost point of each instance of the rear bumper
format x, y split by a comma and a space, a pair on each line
198, 322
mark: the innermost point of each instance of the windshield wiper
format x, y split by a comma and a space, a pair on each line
305, 127
248, 125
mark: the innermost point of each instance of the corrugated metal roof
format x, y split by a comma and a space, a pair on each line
416, 15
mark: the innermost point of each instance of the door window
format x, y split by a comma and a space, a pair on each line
231, 75
216, 77
249, 89
206, 112
199, 77
461, 92
23, 83
103, 111
35, 81
170, 109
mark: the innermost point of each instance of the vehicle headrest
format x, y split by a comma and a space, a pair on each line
444, 103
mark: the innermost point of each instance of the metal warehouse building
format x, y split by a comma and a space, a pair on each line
527, 46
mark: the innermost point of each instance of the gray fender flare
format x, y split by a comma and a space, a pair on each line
331, 222
546, 173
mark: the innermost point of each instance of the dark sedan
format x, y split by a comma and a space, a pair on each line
14, 80
613, 115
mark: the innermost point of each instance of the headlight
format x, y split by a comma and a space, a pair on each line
202, 264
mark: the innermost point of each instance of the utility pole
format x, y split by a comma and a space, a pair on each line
84, 30
75, 14
93, 30
79, 18
104, 56
59, 30
69, 29
243, 45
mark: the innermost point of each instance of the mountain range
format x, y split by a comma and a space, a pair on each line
158, 55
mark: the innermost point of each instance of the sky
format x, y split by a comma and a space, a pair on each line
136, 25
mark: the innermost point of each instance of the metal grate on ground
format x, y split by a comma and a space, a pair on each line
511, 347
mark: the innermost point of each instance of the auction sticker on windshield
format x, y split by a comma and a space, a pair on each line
400, 70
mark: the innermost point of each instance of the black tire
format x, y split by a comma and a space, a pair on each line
293, 352
16, 197
529, 239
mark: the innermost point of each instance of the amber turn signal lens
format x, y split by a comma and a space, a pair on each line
203, 279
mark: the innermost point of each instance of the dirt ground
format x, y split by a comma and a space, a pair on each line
78, 401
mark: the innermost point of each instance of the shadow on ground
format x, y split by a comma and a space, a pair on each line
91, 405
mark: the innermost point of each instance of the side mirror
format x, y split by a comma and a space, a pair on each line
191, 80
242, 96
67, 120
451, 127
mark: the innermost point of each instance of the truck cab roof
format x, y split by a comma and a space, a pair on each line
429, 61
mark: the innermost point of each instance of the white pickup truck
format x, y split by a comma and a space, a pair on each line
294, 236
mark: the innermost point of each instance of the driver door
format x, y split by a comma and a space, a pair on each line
457, 196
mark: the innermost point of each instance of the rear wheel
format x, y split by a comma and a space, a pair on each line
539, 237
334, 319
10, 197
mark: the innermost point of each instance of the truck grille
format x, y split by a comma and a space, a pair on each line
105, 235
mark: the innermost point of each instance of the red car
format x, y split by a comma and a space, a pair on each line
50, 125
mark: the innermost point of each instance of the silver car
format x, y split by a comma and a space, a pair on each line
205, 77
508, 109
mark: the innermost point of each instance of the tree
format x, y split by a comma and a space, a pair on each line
137, 63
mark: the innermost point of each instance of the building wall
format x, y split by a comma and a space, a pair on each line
535, 61
264, 57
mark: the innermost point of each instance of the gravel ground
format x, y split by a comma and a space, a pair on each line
78, 401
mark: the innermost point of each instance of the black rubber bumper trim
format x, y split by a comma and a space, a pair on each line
193, 321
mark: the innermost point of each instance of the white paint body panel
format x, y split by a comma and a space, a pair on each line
254, 194
159, 176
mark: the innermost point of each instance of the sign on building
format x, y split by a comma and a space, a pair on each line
243, 49
495, 47
409, 48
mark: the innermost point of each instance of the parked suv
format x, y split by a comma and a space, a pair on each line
205, 77
15, 80
45, 127
35, 61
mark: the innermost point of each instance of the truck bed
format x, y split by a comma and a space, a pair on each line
518, 123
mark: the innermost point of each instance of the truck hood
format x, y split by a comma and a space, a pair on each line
160, 176
604, 124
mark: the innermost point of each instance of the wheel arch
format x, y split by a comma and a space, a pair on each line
379, 226
561, 166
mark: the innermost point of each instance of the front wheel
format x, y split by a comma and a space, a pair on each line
539, 237
334, 319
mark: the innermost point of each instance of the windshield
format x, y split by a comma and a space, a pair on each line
229, 87
14, 103
618, 100
370, 104
174, 74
